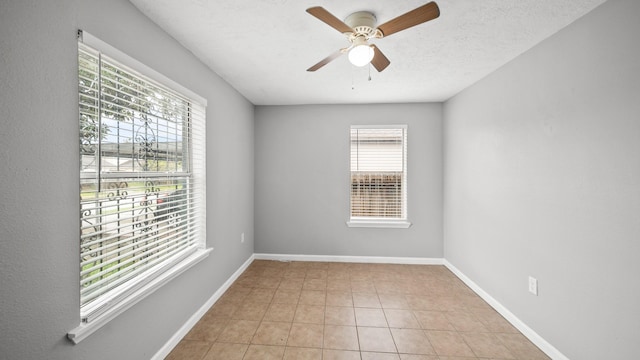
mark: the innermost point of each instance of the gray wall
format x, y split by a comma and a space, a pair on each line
302, 181
542, 178
39, 271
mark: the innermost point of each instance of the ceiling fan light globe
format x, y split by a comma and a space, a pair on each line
361, 55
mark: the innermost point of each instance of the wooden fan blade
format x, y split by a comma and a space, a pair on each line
414, 17
379, 61
326, 17
326, 60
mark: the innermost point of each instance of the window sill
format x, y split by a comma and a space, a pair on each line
85, 329
394, 224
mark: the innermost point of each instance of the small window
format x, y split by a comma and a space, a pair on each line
142, 181
378, 176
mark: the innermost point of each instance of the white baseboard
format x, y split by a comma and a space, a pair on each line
184, 329
353, 259
545, 346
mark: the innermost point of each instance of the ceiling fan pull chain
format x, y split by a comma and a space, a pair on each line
353, 86
369, 71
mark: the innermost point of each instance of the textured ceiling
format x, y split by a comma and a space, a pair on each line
263, 47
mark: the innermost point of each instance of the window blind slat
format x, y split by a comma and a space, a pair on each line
117, 250
126, 258
93, 292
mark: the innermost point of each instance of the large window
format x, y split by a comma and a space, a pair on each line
142, 181
379, 175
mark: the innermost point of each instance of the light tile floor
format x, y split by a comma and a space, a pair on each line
319, 310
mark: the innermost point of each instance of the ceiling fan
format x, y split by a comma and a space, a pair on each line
360, 26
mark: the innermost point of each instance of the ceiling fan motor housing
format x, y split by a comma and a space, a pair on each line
363, 23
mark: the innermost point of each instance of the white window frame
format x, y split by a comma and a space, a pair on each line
377, 222
115, 303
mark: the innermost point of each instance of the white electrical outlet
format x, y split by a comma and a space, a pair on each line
533, 285
242, 238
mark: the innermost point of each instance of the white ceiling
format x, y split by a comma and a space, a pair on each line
263, 47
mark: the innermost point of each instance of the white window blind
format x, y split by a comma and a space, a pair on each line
142, 180
378, 173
